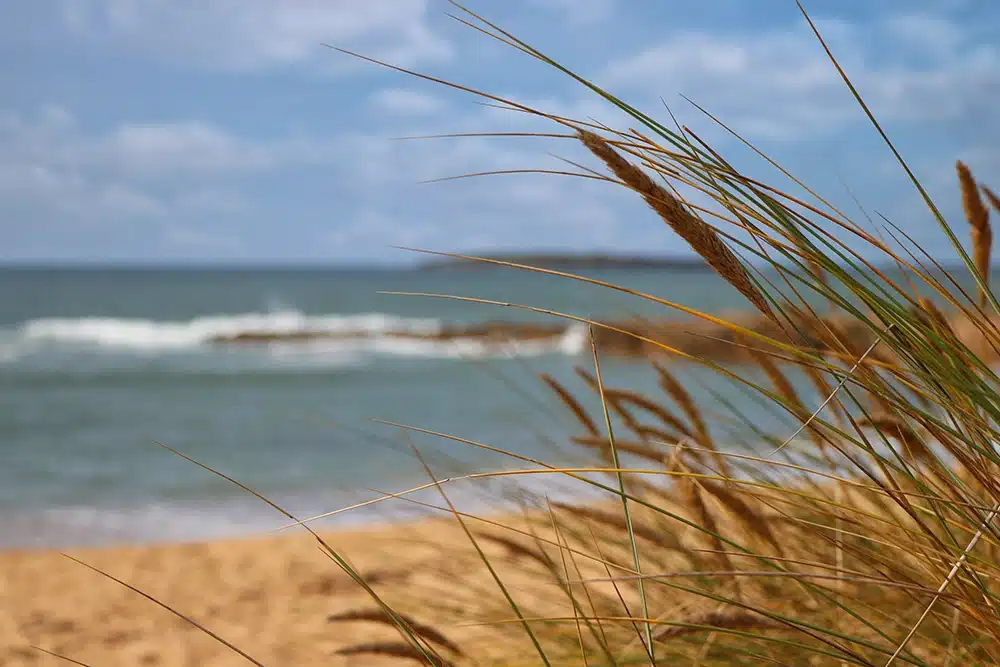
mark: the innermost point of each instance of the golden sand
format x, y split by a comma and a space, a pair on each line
271, 596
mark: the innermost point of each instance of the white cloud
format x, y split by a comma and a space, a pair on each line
407, 102
185, 146
782, 85
52, 169
194, 147
494, 211
54, 142
244, 35
194, 186
34, 172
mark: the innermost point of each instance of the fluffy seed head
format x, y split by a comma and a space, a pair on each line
701, 236
979, 222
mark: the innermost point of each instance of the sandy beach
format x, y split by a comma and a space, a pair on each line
272, 596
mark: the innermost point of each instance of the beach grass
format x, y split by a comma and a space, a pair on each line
864, 534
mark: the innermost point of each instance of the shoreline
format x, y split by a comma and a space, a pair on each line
237, 521
491, 490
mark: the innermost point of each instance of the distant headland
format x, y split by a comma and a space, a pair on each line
571, 261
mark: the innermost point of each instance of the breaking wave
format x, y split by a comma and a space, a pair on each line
281, 335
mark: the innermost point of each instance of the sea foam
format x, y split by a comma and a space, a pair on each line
282, 335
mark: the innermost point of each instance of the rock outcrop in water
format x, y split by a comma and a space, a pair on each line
698, 338
486, 332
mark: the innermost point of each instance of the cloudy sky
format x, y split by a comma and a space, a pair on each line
224, 131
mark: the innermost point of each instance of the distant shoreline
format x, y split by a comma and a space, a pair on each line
566, 261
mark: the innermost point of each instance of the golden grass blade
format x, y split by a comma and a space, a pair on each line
597, 630
624, 497
173, 611
512, 172
735, 619
516, 548
734, 327
892, 426
826, 401
325, 547
620, 598
662, 539
565, 578
771, 574
486, 561
640, 449
59, 656
375, 501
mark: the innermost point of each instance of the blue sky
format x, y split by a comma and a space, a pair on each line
223, 131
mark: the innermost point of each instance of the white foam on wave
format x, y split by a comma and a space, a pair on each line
356, 350
352, 338
153, 334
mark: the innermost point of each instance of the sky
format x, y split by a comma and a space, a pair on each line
227, 131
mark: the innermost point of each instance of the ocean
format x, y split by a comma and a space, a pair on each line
98, 366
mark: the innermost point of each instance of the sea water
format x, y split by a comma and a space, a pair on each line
98, 366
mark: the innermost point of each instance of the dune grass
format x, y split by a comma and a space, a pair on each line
865, 535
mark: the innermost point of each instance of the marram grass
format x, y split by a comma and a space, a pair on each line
867, 538
866, 535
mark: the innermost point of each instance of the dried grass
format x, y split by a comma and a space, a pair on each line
392, 650
700, 236
757, 523
655, 536
978, 217
571, 403
380, 616
731, 619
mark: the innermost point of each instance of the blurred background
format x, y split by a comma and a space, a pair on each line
173, 173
